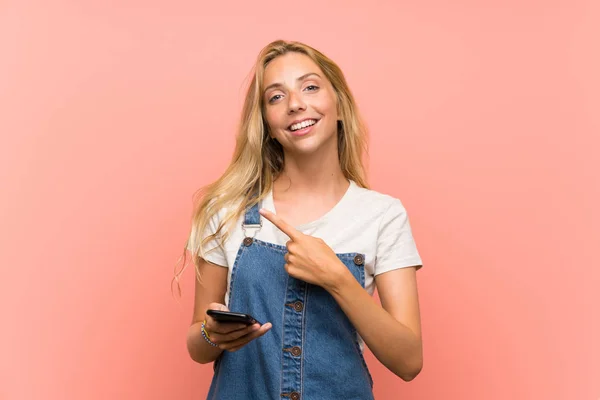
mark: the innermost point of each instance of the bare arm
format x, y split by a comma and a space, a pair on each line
211, 289
393, 333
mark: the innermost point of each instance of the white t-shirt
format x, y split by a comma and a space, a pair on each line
363, 221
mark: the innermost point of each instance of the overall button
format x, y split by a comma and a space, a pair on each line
247, 241
296, 351
298, 306
359, 259
295, 396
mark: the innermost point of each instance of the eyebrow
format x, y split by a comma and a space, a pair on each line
274, 85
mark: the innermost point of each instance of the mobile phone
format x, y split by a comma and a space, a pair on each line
232, 317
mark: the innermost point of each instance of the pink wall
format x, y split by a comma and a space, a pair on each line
485, 119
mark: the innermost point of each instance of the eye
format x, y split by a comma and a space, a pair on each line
312, 86
274, 98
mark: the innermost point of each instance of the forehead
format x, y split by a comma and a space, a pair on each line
288, 67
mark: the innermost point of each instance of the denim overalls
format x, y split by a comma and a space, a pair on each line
312, 350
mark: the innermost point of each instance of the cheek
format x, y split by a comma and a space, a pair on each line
270, 119
328, 105
274, 118
329, 109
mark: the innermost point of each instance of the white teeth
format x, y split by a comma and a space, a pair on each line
303, 124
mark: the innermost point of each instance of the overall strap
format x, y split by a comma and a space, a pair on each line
252, 219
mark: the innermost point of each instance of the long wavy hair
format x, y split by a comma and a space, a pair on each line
258, 161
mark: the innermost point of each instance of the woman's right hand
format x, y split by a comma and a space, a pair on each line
232, 336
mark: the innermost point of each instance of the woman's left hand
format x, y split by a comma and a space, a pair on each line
308, 258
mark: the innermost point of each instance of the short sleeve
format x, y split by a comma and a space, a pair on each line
214, 251
396, 247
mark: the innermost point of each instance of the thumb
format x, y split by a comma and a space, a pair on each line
218, 307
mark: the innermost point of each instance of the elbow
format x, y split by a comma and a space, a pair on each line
408, 371
411, 374
411, 369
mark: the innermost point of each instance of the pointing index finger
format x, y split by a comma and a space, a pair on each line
286, 228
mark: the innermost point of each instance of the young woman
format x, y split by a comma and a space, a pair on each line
291, 235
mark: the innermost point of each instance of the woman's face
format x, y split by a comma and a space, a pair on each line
300, 104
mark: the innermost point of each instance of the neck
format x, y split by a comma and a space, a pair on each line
318, 173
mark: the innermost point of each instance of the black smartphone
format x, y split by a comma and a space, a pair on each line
232, 317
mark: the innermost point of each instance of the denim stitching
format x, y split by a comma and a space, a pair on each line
357, 345
306, 287
287, 279
241, 251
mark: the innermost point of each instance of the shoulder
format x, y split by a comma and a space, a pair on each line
376, 205
219, 214
219, 209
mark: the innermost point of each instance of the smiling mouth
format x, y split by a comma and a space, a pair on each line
302, 125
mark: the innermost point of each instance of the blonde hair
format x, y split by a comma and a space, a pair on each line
257, 161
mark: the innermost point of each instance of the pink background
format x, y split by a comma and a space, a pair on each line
485, 121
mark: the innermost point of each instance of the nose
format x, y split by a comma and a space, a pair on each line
295, 103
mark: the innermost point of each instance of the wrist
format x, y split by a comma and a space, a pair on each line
198, 348
206, 335
340, 280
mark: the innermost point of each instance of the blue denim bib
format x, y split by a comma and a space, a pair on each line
312, 350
